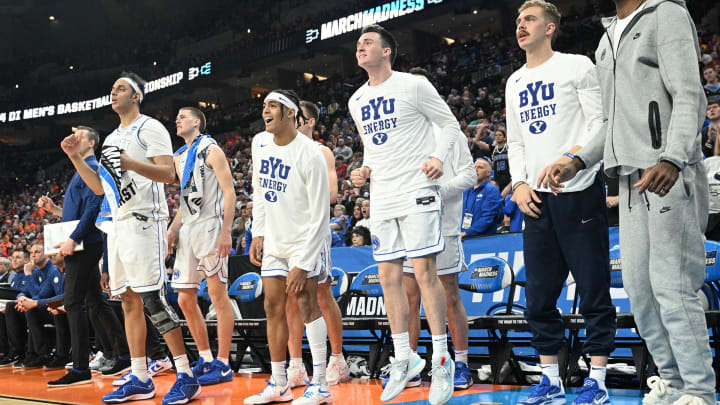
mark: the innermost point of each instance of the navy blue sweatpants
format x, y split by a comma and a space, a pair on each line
570, 235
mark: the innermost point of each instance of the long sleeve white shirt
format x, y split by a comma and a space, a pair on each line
459, 176
550, 109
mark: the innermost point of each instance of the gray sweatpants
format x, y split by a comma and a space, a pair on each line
663, 267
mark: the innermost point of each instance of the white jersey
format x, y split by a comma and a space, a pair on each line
550, 109
394, 120
211, 206
143, 139
291, 191
459, 176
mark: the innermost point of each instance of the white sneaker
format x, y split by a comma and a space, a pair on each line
159, 366
297, 375
97, 361
442, 384
402, 371
69, 366
337, 371
271, 393
661, 392
315, 394
688, 399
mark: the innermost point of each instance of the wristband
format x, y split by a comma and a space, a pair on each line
570, 155
518, 184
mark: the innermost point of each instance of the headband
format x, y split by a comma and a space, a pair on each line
282, 100
134, 85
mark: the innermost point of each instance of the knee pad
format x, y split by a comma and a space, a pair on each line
162, 316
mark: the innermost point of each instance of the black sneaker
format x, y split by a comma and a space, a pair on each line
21, 363
118, 367
72, 378
57, 362
10, 359
36, 362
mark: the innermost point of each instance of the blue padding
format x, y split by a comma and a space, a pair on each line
712, 267
486, 275
520, 276
615, 268
367, 282
247, 287
339, 282
203, 291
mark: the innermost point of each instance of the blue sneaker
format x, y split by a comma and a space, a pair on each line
545, 394
591, 394
218, 372
184, 390
200, 367
463, 376
132, 390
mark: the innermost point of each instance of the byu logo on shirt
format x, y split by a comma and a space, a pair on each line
388, 107
538, 127
271, 196
274, 166
535, 91
379, 138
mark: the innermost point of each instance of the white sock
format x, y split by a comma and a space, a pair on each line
461, 355
297, 361
224, 360
206, 355
401, 343
552, 371
440, 350
598, 373
278, 373
317, 339
138, 368
182, 364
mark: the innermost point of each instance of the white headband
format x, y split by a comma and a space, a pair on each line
282, 100
134, 85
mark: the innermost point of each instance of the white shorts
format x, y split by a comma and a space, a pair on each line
449, 261
196, 256
413, 235
136, 255
273, 266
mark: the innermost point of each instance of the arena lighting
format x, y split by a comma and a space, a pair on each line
154, 63
71, 67
309, 76
51, 18
449, 41
249, 30
69, 107
475, 11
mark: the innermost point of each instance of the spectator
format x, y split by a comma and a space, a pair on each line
356, 162
710, 133
482, 204
15, 325
513, 220
248, 226
360, 236
500, 162
341, 168
339, 225
467, 110
342, 150
4, 274
365, 209
712, 84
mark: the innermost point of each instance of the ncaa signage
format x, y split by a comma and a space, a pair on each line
354, 22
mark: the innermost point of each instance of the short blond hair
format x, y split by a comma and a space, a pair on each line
551, 13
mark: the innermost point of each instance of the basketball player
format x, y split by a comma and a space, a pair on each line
337, 369
394, 112
553, 106
290, 240
136, 160
652, 145
459, 176
204, 220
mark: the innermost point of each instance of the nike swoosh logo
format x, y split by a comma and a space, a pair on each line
146, 227
585, 221
518, 79
210, 230
262, 146
286, 390
225, 373
358, 98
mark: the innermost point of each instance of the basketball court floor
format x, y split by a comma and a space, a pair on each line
19, 386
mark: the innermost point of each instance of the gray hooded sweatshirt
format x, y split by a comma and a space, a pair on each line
652, 95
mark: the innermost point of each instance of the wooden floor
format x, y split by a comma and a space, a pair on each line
19, 386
